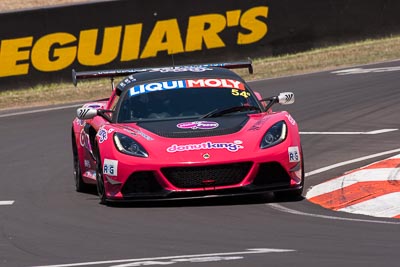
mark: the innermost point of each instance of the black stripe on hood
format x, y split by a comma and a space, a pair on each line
169, 128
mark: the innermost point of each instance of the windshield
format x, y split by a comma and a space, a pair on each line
168, 102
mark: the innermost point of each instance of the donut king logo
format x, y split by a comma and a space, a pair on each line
194, 125
231, 147
57, 51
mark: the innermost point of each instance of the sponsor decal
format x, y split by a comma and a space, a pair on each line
181, 84
126, 81
102, 134
57, 51
182, 69
203, 125
286, 98
110, 167
84, 140
290, 119
94, 105
257, 126
80, 122
136, 132
220, 83
236, 92
206, 156
87, 164
294, 155
231, 147
82, 112
83, 137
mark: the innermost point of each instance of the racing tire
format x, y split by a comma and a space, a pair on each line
101, 191
80, 185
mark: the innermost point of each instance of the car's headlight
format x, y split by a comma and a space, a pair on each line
127, 145
275, 135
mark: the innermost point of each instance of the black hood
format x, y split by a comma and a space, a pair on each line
191, 128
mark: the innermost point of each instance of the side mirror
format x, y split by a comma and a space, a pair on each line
86, 113
286, 98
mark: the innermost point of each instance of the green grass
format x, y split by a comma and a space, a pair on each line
368, 51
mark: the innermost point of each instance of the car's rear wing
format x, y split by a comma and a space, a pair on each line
125, 72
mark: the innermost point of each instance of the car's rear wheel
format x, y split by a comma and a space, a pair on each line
101, 190
80, 185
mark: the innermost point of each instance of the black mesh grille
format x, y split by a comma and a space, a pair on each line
204, 176
271, 174
141, 183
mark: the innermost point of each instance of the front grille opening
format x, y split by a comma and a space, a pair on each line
271, 174
142, 182
207, 176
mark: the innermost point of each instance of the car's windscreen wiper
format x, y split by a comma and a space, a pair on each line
221, 112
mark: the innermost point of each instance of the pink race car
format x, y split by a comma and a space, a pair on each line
185, 132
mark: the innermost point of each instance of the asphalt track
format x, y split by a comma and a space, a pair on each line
50, 224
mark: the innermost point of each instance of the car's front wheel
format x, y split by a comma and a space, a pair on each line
101, 191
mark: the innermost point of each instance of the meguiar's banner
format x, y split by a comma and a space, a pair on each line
43, 45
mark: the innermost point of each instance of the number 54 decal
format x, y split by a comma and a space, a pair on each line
237, 92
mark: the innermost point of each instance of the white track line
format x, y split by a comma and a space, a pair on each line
365, 71
248, 251
351, 133
325, 71
340, 164
39, 110
6, 202
296, 212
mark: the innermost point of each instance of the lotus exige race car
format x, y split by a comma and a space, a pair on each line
185, 132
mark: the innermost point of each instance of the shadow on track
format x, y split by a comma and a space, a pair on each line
197, 202
205, 201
